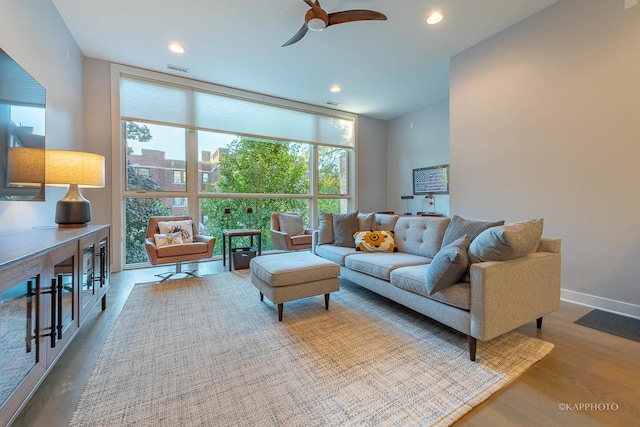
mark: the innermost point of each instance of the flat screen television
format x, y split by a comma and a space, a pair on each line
22, 133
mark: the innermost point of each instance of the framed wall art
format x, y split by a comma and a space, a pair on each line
431, 180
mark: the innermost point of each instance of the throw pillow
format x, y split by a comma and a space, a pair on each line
448, 266
375, 241
343, 228
291, 223
185, 228
459, 226
168, 239
325, 229
507, 241
366, 221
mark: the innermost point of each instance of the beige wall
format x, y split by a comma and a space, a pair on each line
32, 33
545, 123
415, 140
372, 164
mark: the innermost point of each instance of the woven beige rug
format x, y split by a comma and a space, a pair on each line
207, 352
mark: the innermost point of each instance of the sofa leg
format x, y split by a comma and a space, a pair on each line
472, 347
539, 322
261, 296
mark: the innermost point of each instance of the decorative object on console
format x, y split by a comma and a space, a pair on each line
432, 202
227, 212
407, 198
26, 167
250, 217
75, 169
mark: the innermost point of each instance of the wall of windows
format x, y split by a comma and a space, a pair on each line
193, 150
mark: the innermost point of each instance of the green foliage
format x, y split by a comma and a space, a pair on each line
138, 210
260, 167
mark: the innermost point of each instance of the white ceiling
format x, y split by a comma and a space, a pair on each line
386, 68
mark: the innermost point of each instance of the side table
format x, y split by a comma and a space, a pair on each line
230, 234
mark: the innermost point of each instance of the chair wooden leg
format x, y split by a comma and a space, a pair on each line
472, 348
280, 309
326, 301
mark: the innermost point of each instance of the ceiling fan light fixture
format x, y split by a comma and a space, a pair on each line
335, 88
434, 18
316, 24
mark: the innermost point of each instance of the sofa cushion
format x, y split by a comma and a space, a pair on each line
184, 227
291, 223
420, 235
344, 226
412, 279
448, 266
459, 226
325, 228
366, 221
507, 241
380, 264
375, 241
385, 222
335, 254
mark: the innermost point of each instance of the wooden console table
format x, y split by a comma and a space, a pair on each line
50, 279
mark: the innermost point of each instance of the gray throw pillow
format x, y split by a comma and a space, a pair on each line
325, 229
366, 221
448, 266
459, 226
507, 241
291, 223
344, 226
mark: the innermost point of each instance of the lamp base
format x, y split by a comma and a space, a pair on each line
73, 214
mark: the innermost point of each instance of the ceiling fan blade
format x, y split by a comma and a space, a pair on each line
315, 6
355, 15
297, 36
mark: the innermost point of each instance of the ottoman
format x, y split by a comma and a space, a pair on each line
294, 275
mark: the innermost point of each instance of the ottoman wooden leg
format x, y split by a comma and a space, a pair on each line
326, 301
280, 307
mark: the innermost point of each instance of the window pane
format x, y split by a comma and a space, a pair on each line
333, 170
155, 157
137, 213
238, 164
213, 219
336, 206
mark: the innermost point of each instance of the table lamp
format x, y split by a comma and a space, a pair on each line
75, 169
26, 167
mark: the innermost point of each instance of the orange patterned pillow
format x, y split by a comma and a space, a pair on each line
375, 241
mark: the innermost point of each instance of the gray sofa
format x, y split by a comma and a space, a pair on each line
493, 298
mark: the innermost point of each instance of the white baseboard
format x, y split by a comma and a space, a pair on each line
605, 304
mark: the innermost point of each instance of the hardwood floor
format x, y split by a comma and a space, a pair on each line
590, 378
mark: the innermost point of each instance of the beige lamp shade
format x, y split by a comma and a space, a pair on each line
64, 167
26, 165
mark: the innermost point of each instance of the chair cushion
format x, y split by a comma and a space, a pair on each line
185, 249
167, 239
184, 227
291, 223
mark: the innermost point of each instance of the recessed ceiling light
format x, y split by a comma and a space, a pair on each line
176, 47
434, 18
335, 88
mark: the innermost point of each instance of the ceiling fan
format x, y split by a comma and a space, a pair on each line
317, 19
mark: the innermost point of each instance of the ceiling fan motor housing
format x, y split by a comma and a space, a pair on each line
316, 20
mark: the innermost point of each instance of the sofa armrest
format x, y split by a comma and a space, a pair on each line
507, 294
314, 240
281, 241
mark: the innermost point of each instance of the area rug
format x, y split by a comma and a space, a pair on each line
612, 323
207, 352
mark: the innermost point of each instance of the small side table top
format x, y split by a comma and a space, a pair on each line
241, 232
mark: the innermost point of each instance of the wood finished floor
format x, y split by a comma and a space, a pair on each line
596, 376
